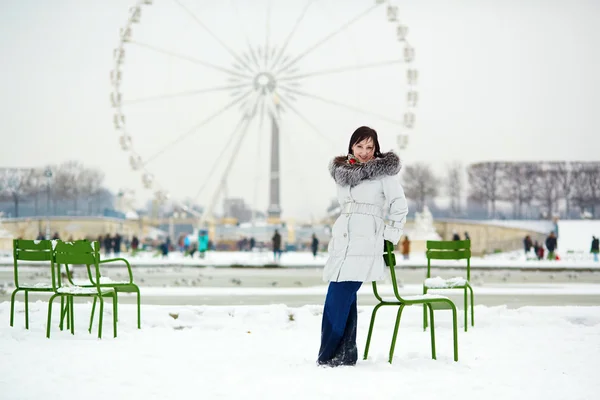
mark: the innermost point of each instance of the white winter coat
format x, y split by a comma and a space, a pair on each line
374, 208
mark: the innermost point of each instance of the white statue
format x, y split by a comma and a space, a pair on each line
424, 229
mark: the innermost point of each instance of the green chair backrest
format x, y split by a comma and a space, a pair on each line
390, 261
32, 250
449, 250
79, 252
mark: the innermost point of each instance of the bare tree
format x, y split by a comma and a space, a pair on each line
586, 187
67, 182
36, 185
517, 185
420, 183
566, 179
455, 186
593, 176
547, 188
484, 181
90, 185
13, 185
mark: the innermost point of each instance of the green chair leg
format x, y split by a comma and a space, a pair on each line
392, 347
472, 306
12, 307
101, 314
115, 314
62, 313
432, 330
455, 331
377, 307
26, 309
139, 306
92, 315
466, 310
425, 323
70, 300
49, 322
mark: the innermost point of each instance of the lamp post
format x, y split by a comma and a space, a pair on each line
48, 175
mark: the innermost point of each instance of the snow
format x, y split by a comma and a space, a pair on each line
577, 235
81, 290
439, 282
541, 226
508, 260
269, 352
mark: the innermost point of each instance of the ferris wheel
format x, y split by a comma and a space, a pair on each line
210, 96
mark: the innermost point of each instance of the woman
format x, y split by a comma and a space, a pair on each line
367, 189
405, 248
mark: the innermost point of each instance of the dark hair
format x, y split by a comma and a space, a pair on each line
362, 133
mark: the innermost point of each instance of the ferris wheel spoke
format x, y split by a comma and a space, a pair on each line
220, 157
247, 119
300, 56
185, 94
190, 59
341, 105
291, 34
251, 54
196, 127
341, 69
289, 105
267, 28
214, 36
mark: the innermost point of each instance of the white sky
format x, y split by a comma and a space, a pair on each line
509, 80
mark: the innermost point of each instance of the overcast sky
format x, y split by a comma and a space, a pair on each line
498, 80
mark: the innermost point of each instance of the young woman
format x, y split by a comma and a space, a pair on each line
368, 191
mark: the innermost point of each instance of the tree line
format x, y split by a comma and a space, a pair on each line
554, 188
47, 189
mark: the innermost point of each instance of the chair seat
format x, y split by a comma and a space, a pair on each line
82, 290
104, 280
441, 283
36, 286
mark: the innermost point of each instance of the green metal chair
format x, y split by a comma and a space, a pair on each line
34, 250
450, 250
127, 286
87, 253
432, 302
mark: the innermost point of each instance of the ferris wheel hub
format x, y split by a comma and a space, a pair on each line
265, 82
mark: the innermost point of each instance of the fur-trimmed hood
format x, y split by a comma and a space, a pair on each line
347, 174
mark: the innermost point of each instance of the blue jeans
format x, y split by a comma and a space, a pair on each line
338, 329
596, 257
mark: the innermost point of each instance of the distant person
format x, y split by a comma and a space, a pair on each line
539, 250
165, 247
551, 245
56, 236
314, 245
455, 236
595, 247
108, 243
252, 243
405, 248
276, 245
117, 244
467, 237
527, 244
40, 236
135, 243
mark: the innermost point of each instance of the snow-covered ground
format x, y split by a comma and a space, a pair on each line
510, 260
269, 352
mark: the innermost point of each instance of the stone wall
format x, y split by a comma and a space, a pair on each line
485, 238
